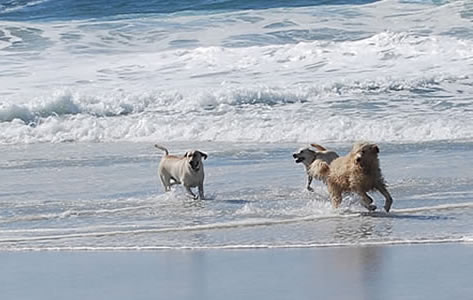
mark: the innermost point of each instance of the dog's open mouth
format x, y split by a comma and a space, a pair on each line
298, 159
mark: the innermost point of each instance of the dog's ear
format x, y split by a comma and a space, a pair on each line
186, 154
375, 148
318, 147
204, 155
358, 158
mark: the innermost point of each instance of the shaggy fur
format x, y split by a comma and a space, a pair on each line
358, 172
308, 157
187, 170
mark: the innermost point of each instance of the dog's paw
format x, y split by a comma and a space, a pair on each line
371, 207
310, 189
192, 196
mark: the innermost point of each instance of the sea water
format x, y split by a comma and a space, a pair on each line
87, 88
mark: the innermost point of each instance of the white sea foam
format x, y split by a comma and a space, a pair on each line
240, 81
434, 208
226, 115
216, 226
253, 222
19, 6
397, 242
71, 213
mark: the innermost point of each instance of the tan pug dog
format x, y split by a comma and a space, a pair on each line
307, 157
358, 172
187, 170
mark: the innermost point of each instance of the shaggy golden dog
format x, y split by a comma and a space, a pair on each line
358, 172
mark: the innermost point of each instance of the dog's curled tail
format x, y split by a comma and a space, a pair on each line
162, 148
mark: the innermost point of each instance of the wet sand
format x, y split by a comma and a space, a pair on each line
374, 272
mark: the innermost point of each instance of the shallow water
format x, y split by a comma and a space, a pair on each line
107, 196
87, 87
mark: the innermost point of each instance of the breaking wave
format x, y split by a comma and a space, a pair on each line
251, 114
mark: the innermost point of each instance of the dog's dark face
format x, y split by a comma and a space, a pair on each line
305, 155
365, 153
194, 158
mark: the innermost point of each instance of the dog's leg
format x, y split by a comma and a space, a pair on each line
165, 182
335, 196
381, 187
336, 200
367, 201
189, 191
309, 181
201, 191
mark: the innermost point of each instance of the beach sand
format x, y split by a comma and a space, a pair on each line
374, 272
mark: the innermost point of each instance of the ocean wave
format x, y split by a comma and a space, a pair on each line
384, 88
260, 114
70, 213
84, 9
234, 129
257, 127
64, 102
214, 226
16, 5
253, 222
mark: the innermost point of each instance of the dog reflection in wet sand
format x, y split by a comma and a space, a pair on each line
358, 172
308, 156
187, 170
